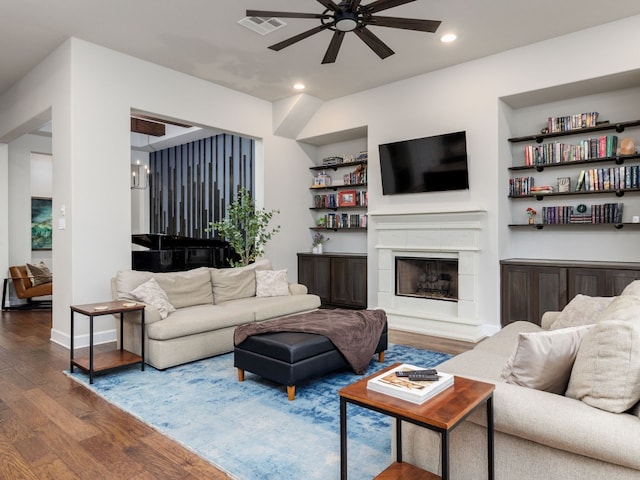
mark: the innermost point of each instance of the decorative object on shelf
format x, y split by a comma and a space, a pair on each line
564, 184
321, 222
318, 241
627, 146
328, 161
322, 180
531, 213
347, 198
245, 228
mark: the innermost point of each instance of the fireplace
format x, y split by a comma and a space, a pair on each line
425, 277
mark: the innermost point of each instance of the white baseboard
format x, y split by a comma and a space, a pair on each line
82, 341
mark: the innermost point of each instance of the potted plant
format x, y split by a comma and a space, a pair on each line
245, 228
318, 241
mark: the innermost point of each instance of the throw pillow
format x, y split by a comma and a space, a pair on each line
152, 294
624, 307
543, 360
39, 274
581, 310
271, 283
606, 373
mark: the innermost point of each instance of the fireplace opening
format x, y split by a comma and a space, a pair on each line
435, 278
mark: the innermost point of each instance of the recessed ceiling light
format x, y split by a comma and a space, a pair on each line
299, 86
448, 38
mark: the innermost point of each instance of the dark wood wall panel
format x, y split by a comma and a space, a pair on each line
192, 184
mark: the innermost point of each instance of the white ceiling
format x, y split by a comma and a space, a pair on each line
202, 38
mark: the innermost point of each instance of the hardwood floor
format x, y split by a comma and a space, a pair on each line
53, 428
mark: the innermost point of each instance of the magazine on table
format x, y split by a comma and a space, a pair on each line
411, 390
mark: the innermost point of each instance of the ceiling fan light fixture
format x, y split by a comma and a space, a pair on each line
299, 86
346, 21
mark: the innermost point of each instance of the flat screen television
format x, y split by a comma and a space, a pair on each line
430, 164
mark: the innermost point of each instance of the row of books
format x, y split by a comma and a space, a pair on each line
572, 122
332, 200
520, 186
613, 178
558, 152
600, 213
345, 220
357, 177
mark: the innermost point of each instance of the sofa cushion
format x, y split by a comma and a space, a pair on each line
271, 283
266, 308
200, 319
151, 293
632, 289
543, 360
188, 288
234, 283
128, 280
606, 373
581, 310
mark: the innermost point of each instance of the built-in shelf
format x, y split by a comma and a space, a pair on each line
618, 160
342, 229
618, 127
540, 226
541, 196
336, 166
338, 187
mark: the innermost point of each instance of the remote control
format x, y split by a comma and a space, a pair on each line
422, 377
406, 373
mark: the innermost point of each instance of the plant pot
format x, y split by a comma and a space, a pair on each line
532, 220
314, 250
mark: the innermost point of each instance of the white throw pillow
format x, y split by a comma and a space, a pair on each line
543, 360
581, 310
152, 294
632, 289
606, 373
271, 283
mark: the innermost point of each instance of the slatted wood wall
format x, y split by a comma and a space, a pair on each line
192, 184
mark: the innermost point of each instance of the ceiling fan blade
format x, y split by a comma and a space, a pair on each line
330, 5
269, 14
290, 41
374, 43
405, 23
354, 5
334, 47
380, 5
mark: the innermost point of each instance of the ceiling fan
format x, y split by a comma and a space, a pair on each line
351, 16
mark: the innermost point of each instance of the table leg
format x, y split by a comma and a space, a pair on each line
121, 332
91, 349
71, 346
445, 455
343, 439
142, 346
490, 444
398, 440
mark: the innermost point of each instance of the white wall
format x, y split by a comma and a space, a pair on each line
91, 146
467, 97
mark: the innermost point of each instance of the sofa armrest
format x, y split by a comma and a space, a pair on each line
547, 319
297, 289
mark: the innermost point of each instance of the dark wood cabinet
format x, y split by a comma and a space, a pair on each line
339, 279
531, 287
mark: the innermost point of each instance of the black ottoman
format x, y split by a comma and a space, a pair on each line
290, 358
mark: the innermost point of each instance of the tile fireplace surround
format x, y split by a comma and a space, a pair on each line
447, 235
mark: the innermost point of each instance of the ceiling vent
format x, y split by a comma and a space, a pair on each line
262, 25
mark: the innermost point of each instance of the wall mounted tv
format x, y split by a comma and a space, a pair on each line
429, 164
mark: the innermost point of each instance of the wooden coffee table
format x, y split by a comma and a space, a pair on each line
442, 414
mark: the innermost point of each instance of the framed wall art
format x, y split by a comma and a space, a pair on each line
41, 220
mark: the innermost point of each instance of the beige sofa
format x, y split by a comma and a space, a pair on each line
209, 303
543, 435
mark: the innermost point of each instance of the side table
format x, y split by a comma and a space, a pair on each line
104, 361
441, 413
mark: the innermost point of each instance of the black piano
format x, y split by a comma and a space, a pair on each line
173, 253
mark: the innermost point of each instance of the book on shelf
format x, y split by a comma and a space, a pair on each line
412, 391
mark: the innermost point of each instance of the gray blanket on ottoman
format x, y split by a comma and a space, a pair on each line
355, 333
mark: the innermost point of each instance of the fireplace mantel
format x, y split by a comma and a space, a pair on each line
450, 234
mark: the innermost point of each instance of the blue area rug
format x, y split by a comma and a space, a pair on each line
249, 429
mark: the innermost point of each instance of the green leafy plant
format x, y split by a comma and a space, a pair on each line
319, 239
245, 228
